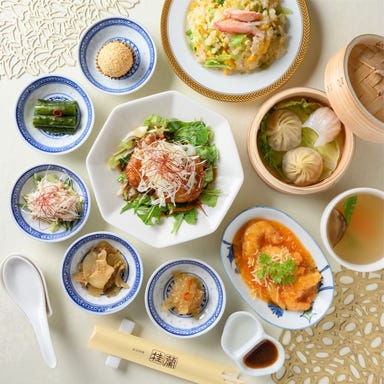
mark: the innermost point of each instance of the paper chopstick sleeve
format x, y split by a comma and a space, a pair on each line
159, 357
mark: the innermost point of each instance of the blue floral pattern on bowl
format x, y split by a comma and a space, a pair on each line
185, 326
35, 228
54, 88
123, 29
102, 304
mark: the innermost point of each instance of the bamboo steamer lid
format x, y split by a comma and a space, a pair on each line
354, 84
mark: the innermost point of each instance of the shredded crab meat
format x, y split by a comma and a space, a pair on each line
166, 168
53, 202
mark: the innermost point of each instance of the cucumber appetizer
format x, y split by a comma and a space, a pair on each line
56, 116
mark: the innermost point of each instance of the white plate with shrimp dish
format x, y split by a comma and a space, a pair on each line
277, 268
50, 202
165, 169
185, 298
235, 51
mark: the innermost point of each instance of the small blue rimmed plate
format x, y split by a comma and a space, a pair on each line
101, 305
54, 88
128, 31
185, 326
271, 313
36, 228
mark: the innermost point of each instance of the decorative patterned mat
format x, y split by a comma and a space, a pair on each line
347, 345
39, 36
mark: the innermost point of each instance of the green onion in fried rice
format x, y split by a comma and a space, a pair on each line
237, 35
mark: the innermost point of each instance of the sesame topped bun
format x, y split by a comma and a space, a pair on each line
115, 59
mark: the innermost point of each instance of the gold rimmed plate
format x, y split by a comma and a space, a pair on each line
236, 87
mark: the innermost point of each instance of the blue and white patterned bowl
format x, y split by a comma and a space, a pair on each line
122, 29
270, 312
36, 228
101, 305
54, 88
185, 326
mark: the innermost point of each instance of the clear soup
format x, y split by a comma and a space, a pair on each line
363, 241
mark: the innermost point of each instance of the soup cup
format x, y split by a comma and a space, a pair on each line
352, 227
245, 342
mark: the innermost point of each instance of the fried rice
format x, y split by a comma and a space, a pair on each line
237, 35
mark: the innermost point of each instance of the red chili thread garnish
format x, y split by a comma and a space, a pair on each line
57, 112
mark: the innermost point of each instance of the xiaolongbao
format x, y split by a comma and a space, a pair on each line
283, 130
302, 166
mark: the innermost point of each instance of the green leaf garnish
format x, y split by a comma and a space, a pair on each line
209, 197
348, 207
183, 133
281, 273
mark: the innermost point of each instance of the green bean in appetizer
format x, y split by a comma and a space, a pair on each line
56, 116
56, 108
55, 124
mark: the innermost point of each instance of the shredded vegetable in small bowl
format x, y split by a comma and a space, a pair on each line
50, 202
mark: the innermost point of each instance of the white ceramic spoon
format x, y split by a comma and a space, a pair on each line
24, 285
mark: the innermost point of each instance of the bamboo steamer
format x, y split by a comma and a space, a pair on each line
354, 84
271, 177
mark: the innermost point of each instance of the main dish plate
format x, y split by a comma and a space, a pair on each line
35, 228
213, 304
270, 312
101, 305
130, 115
236, 87
132, 33
57, 88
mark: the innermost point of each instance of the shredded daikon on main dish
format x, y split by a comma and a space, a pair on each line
166, 168
54, 201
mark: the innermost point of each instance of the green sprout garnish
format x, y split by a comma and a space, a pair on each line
348, 207
281, 273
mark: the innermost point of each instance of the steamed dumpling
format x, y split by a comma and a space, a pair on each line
302, 166
283, 130
325, 123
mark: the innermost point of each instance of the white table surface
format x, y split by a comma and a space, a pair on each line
333, 25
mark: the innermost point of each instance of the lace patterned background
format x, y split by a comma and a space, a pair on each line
39, 36
347, 346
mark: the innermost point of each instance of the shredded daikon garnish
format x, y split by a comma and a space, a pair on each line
54, 202
166, 168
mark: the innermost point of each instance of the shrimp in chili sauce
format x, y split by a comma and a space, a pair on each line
271, 239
